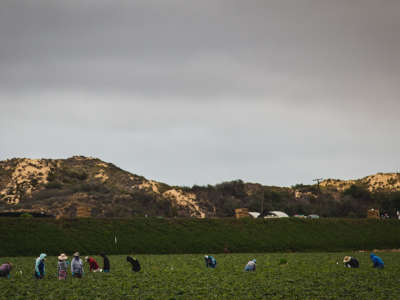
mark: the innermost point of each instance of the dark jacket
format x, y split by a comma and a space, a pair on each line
134, 262
106, 262
5, 270
353, 263
210, 261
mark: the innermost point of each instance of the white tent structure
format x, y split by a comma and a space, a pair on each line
254, 214
276, 214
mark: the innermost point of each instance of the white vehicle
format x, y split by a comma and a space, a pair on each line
313, 217
276, 214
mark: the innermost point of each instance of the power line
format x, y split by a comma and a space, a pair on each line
318, 180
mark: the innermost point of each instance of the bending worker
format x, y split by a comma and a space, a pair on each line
377, 261
210, 261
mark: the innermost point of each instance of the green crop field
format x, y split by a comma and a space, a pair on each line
27, 237
305, 276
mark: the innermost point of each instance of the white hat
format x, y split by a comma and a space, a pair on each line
62, 257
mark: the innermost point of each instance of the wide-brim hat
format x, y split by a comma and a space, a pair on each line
62, 257
346, 259
87, 258
76, 254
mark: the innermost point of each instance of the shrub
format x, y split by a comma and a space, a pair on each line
54, 185
282, 261
26, 215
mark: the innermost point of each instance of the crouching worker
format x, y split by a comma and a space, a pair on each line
5, 269
377, 261
251, 265
77, 266
210, 261
93, 265
39, 266
62, 266
134, 262
350, 262
106, 263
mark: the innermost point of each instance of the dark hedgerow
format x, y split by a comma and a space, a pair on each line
25, 237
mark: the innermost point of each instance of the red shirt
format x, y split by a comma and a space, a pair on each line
92, 264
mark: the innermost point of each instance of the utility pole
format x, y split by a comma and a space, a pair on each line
262, 205
318, 180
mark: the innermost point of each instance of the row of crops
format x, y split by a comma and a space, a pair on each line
29, 237
302, 276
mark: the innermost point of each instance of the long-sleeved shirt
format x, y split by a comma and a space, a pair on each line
62, 265
251, 266
106, 261
77, 265
377, 261
5, 269
210, 262
93, 265
39, 264
352, 263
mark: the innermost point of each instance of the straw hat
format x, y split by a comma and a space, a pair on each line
87, 258
62, 257
346, 259
76, 254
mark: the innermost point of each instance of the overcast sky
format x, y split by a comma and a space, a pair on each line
200, 92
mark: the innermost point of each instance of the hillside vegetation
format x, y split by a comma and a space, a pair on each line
26, 237
89, 187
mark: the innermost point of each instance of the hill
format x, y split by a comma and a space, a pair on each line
88, 187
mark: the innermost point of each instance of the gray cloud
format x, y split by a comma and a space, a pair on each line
270, 91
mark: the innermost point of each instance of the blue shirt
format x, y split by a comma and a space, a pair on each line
377, 261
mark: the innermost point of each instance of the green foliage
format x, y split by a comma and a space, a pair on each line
26, 215
282, 261
307, 276
54, 185
306, 188
358, 192
161, 236
51, 176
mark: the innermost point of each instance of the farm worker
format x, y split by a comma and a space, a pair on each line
106, 263
134, 262
210, 261
377, 261
5, 269
93, 265
62, 266
39, 266
251, 265
350, 262
76, 266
